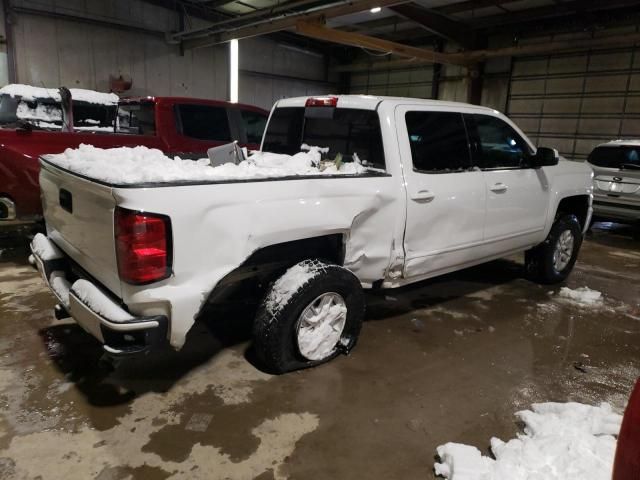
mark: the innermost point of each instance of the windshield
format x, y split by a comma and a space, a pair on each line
616, 157
351, 133
136, 118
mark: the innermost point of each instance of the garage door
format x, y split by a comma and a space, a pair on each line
573, 102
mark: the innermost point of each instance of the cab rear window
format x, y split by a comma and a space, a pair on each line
616, 157
352, 133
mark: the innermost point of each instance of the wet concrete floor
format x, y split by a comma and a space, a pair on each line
449, 359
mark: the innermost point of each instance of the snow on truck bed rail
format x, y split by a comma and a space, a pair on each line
136, 165
30, 93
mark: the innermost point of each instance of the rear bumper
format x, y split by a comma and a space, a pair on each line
121, 333
610, 209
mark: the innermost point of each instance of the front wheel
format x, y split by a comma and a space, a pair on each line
310, 315
552, 261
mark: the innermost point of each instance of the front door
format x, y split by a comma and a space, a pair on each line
446, 195
517, 194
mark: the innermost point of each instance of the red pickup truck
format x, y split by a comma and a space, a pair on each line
178, 126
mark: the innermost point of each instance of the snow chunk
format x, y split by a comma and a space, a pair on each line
60, 286
582, 296
99, 302
561, 441
44, 248
30, 93
292, 281
128, 165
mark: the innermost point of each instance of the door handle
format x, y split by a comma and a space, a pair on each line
499, 188
423, 196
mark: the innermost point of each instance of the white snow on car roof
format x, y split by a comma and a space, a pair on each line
29, 93
141, 165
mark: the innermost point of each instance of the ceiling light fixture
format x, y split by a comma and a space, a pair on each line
376, 10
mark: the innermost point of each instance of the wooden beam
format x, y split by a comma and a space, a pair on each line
553, 47
287, 21
436, 23
476, 56
320, 32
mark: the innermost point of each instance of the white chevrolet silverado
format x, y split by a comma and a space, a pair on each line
438, 187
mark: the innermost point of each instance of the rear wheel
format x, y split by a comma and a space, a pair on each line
553, 260
310, 315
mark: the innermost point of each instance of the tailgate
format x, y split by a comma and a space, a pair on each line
79, 217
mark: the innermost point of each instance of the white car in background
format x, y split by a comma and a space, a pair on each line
406, 189
616, 183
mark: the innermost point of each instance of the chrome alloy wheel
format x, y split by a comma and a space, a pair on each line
320, 326
563, 250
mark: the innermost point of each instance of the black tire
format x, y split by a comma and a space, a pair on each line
276, 325
539, 261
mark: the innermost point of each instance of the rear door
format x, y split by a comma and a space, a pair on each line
446, 195
79, 216
517, 194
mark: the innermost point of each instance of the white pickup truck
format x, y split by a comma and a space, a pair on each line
439, 187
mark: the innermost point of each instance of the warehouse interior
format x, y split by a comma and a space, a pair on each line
448, 359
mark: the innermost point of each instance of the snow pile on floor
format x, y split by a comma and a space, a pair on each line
582, 296
43, 248
31, 93
290, 283
128, 165
561, 441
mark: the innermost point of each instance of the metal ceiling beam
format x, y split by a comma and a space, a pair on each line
320, 32
287, 21
436, 23
467, 5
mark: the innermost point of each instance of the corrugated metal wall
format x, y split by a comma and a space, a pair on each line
575, 101
53, 51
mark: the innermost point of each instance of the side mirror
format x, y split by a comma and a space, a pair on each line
545, 157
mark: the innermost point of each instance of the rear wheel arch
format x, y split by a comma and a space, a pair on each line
269, 262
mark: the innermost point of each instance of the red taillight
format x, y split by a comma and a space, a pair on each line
322, 102
143, 242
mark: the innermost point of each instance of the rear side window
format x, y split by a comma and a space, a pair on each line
253, 123
438, 141
204, 122
499, 146
616, 157
352, 133
136, 119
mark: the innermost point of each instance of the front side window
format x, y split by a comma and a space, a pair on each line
438, 142
499, 146
253, 123
204, 122
136, 118
352, 133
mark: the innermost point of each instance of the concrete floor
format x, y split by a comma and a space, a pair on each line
446, 360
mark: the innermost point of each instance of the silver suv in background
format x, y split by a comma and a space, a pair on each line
616, 183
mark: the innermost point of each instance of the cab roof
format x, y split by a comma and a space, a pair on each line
371, 102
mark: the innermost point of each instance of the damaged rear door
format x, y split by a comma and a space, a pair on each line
445, 194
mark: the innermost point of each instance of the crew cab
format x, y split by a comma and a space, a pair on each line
616, 183
177, 126
441, 186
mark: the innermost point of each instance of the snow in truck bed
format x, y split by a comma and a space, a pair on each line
142, 165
